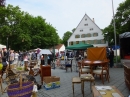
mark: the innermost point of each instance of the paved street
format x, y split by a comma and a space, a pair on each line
116, 79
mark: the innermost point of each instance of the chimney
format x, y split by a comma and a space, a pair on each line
93, 20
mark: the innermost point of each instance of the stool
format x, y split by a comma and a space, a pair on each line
87, 77
74, 81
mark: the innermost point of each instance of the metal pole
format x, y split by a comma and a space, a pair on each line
54, 57
7, 44
114, 30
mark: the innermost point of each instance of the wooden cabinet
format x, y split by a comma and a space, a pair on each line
45, 71
127, 74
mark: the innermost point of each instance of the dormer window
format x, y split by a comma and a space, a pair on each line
91, 29
81, 30
85, 24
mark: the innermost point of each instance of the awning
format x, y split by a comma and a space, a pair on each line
45, 51
79, 46
125, 35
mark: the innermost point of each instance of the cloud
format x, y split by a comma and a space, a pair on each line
65, 15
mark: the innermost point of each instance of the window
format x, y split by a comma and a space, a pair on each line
83, 41
86, 19
81, 30
88, 35
91, 29
95, 34
71, 43
95, 41
88, 41
99, 41
77, 36
91, 41
85, 24
83, 36
77, 42
102, 41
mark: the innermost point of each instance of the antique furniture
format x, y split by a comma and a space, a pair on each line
103, 71
45, 70
127, 74
84, 78
106, 91
32, 64
82, 68
75, 80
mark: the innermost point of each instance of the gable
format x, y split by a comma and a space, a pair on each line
86, 26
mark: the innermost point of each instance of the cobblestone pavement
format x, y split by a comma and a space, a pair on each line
65, 90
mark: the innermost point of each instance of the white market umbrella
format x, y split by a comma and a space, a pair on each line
2, 46
45, 51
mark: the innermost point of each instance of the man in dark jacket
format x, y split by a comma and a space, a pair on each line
111, 57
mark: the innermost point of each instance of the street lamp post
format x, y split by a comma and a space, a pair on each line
114, 29
107, 38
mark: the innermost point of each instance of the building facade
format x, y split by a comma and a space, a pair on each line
87, 32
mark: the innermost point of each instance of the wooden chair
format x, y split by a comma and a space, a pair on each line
87, 78
68, 64
75, 80
104, 71
100, 67
82, 69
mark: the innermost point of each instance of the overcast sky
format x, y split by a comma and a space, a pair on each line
65, 15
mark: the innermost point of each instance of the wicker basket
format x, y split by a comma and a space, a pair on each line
22, 89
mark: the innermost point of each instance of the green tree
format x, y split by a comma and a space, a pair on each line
66, 36
25, 31
122, 21
73, 30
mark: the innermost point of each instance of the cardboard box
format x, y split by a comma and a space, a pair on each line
48, 79
51, 82
55, 79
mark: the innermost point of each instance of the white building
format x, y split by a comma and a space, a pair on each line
58, 48
87, 32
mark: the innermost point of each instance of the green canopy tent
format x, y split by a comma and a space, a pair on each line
81, 46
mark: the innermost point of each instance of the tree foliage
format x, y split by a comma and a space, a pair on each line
25, 31
66, 36
122, 21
